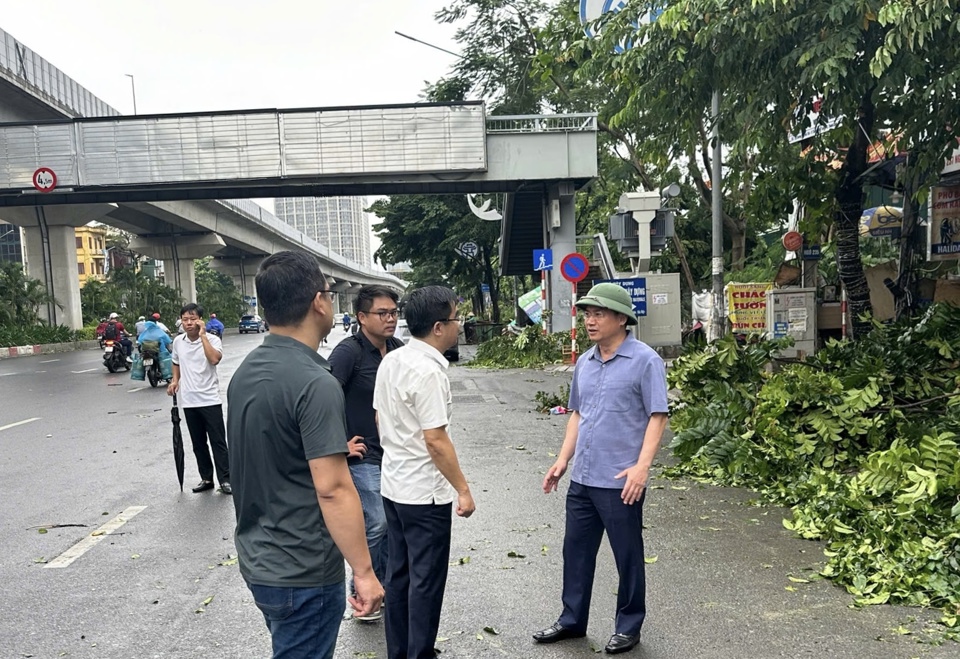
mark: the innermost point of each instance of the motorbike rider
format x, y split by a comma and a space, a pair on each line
116, 331
214, 326
153, 332
141, 323
156, 319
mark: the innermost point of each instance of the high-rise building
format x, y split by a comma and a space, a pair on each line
11, 245
336, 222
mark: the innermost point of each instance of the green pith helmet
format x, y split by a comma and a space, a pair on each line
610, 296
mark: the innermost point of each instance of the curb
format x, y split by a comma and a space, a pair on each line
46, 349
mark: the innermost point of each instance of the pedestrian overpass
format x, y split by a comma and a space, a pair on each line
182, 182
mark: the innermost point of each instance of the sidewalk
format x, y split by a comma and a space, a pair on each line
46, 349
719, 567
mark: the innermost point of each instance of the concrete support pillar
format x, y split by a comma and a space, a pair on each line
51, 252
181, 275
178, 253
560, 223
58, 269
242, 269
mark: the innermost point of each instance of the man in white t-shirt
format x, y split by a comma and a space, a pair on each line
197, 385
420, 473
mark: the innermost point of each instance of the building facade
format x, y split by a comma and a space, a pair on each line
337, 222
11, 243
91, 243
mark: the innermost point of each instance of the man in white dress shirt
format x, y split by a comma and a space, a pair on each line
420, 474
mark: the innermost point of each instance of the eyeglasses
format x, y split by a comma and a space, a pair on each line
384, 315
449, 320
328, 292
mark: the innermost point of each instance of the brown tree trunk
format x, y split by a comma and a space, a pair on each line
684, 265
849, 197
912, 250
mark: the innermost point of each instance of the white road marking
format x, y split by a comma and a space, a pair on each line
19, 423
48, 361
82, 547
3, 375
130, 391
89, 370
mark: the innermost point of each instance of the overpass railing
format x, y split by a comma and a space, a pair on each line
248, 145
254, 212
543, 123
42, 78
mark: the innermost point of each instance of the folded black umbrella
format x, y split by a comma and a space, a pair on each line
177, 441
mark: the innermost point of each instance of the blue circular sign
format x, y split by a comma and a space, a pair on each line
574, 267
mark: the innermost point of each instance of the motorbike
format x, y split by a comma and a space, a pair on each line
151, 364
114, 356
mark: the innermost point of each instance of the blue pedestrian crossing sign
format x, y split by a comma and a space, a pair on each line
542, 259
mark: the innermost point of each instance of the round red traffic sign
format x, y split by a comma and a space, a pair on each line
792, 241
574, 267
44, 179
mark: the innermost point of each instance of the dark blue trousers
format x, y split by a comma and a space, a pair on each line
418, 555
590, 512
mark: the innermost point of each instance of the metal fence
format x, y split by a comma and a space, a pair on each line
543, 123
39, 76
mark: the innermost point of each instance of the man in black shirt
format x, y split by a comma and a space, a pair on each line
354, 362
298, 513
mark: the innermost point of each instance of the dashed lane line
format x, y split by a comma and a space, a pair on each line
89, 370
49, 361
85, 545
19, 423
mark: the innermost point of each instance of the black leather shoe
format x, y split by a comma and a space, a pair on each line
225, 488
621, 643
556, 632
203, 486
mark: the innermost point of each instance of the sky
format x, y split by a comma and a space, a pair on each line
207, 55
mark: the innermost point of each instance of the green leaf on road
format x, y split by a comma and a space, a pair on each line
41, 530
649, 560
514, 554
492, 630
134, 556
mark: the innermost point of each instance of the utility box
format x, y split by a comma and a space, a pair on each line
661, 326
793, 312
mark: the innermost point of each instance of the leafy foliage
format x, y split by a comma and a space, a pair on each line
861, 442
529, 349
20, 296
546, 400
27, 335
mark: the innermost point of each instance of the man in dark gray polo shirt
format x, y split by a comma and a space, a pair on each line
287, 453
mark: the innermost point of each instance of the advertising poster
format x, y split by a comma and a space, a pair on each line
945, 224
747, 307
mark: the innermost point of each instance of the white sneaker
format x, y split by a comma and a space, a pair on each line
129, 360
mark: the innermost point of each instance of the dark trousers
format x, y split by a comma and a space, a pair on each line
204, 422
417, 561
590, 512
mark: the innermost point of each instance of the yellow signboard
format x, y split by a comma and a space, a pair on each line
945, 224
747, 307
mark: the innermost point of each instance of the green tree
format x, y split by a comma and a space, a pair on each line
873, 65
20, 296
427, 231
216, 293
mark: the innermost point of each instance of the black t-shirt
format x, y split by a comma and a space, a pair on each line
354, 362
284, 408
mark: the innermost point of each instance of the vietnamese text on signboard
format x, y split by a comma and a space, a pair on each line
945, 224
747, 307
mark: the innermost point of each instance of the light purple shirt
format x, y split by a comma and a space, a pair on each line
615, 399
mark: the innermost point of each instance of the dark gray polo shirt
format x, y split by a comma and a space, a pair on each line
283, 409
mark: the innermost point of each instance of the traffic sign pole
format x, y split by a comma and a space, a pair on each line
573, 326
543, 300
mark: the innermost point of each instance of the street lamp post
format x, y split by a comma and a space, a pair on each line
133, 91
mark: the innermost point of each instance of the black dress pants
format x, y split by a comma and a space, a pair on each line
590, 512
417, 562
204, 423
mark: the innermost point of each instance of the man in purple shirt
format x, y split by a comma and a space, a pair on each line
619, 403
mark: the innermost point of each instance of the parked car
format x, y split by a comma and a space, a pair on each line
402, 333
251, 323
